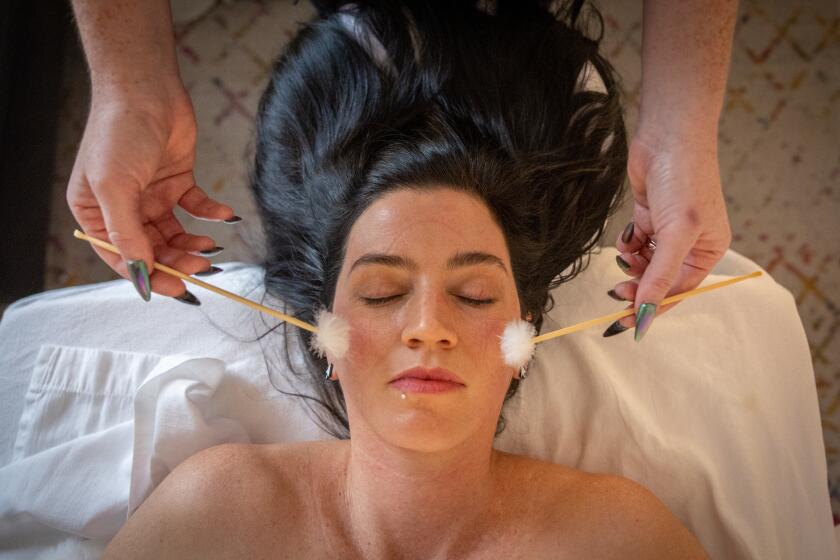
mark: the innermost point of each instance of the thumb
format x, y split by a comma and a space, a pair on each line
120, 205
656, 282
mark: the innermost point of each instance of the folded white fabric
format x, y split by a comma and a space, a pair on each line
715, 410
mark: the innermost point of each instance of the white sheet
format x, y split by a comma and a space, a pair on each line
715, 411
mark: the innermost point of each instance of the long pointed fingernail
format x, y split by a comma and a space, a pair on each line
615, 329
234, 220
187, 297
622, 264
211, 252
615, 296
210, 271
139, 274
627, 235
644, 318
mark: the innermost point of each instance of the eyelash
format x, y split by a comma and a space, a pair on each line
378, 302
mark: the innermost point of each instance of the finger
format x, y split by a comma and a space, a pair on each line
625, 291
688, 278
659, 277
174, 235
120, 205
630, 239
168, 285
199, 205
630, 320
632, 265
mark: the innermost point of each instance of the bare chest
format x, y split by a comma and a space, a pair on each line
293, 518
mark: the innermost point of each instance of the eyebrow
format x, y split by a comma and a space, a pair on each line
458, 260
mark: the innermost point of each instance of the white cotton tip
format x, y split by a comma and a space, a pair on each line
333, 335
517, 347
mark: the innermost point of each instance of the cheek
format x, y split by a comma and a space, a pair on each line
484, 342
369, 343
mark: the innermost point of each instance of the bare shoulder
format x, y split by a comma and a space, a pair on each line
601, 516
623, 519
192, 513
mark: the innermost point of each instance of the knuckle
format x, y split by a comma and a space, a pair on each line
692, 217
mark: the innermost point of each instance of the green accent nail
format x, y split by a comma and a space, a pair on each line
644, 319
139, 274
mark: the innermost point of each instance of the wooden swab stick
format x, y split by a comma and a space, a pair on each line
338, 334
163, 268
618, 315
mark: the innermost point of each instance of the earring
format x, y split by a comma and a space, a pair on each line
523, 373
328, 373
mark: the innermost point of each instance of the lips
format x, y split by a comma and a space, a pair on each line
432, 374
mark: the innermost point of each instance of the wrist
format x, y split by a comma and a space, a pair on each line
664, 134
153, 92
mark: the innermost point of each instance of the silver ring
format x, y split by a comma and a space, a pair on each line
650, 244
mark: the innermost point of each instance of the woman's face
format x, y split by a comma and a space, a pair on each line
427, 320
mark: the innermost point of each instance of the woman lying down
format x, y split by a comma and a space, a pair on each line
426, 173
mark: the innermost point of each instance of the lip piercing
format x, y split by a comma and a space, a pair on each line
402, 396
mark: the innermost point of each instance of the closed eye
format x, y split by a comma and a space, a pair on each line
374, 302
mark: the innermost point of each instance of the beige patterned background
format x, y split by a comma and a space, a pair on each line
779, 154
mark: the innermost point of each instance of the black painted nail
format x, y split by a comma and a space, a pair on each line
187, 297
614, 329
615, 296
211, 252
628, 233
622, 264
234, 220
210, 271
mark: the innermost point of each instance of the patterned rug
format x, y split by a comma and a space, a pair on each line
779, 155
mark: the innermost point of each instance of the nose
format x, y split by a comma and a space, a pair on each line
427, 321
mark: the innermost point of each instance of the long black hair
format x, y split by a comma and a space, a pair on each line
484, 98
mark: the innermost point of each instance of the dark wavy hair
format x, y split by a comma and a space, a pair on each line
484, 99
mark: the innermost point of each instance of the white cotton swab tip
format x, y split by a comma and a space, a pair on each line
517, 346
333, 335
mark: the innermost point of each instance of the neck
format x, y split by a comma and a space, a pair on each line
402, 503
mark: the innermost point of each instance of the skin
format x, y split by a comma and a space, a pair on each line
419, 477
423, 465
136, 160
673, 161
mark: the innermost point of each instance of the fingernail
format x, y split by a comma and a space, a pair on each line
622, 264
210, 271
614, 329
187, 297
644, 318
139, 274
615, 296
234, 220
211, 252
628, 233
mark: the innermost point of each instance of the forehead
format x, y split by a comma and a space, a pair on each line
438, 220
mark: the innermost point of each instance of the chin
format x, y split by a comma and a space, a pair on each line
424, 432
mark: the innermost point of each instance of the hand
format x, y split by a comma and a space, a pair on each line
679, 203
134, 164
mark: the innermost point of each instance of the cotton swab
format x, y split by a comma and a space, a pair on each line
518, 344
331, 332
